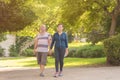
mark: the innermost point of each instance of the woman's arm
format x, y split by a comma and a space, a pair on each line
66, 45
66, 41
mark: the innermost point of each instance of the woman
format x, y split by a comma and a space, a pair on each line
60, 49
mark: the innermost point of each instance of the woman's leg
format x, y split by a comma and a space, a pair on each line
57, 59
62, 53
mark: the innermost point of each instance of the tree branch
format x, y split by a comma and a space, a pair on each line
117, 8
104, 7
106, 10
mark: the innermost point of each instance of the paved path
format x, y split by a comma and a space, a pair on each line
91, 73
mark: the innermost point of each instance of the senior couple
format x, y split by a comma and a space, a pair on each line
43, 46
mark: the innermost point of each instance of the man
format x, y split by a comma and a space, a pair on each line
42, 41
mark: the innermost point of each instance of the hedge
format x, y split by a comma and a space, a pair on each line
112, 50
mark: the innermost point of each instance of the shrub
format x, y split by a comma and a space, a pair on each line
112, 50
87, 51
1, 51
28, 52
13, 51
72, 52
95, 36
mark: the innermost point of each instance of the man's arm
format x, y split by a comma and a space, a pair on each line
49, 40
35, 45
51, 45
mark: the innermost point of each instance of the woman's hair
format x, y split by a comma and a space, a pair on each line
60, 24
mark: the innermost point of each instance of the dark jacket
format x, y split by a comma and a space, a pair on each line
59, 41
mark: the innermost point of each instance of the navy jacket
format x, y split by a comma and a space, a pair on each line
60, 41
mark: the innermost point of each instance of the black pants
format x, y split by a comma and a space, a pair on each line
59, 58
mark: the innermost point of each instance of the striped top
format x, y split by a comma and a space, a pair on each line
42, 45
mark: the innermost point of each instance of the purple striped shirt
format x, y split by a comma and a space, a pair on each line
42, 45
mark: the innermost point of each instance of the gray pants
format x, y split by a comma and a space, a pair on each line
59, 58
42, 57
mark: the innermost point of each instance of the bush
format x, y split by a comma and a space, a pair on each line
95, 36
13, 51
72, 52
1, 51
87, 51
28, 52
112, 50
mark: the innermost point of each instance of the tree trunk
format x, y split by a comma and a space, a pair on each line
112, 30
113, 25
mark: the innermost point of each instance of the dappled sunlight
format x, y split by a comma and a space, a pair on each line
16, 62
31, 62
77, 44
77, 63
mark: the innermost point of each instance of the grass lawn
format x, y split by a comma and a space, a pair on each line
31, 62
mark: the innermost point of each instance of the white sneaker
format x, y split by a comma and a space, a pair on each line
56, 74
60, 74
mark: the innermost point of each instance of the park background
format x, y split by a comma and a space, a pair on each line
92, 26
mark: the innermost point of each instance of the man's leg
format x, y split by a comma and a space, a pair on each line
43, 63
42, 67
39, 59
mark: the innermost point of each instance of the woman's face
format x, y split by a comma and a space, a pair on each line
60, 28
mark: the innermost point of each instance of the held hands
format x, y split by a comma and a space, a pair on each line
50, 52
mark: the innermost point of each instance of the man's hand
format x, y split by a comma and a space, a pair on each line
50, 52
35, 51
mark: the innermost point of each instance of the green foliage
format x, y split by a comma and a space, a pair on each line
89, 14
118, 25
112, 50
70, 37
2, 37
47, 12
72, 52
28, 53
1, 51
21, 41
95, 36
13, 51
15, 15
74, 14
87, 51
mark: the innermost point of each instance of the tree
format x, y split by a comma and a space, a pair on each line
15, 15
113, 11
47, 12
95, 10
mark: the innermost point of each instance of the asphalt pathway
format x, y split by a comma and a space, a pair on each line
90, 73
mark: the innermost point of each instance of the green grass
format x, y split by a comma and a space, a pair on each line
31, 62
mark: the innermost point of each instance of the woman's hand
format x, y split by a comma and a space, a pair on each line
66, 52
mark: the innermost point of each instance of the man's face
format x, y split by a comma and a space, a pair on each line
43, 28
